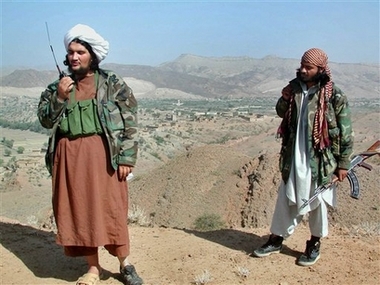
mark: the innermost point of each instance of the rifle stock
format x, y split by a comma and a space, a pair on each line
372, 150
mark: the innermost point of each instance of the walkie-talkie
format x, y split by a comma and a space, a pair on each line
61, 73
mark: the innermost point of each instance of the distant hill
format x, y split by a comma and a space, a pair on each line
223, 77
27, 78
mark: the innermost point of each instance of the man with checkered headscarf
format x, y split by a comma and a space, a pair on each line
92, 150
317, 143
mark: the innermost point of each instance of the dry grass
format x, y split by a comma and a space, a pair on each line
242, 271
136, 215
203, 278
366, 229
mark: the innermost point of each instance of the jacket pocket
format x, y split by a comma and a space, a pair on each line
334, 135
112, 116
328, 163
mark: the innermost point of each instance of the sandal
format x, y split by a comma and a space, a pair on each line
88, 279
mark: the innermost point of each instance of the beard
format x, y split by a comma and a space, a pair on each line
321, 77
79, 72
306, 79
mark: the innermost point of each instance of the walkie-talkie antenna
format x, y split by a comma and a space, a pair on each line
61, 73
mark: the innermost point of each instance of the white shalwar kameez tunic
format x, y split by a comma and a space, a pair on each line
287, 214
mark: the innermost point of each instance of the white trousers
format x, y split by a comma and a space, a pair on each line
286, 217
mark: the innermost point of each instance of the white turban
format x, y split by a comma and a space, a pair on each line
85, 33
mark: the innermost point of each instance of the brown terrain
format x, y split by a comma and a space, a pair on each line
236, 181
233, 182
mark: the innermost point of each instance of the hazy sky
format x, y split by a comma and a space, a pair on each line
153, 32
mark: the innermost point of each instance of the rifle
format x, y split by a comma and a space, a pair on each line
357, 161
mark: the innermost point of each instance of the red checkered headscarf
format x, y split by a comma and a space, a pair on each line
315, 56
320, 128
319, 58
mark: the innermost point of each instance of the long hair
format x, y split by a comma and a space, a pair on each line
94, 60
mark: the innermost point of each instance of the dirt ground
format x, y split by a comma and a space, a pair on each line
173, 256
166, 254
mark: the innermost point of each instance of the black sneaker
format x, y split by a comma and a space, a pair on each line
130, 276
273, 245
311, 254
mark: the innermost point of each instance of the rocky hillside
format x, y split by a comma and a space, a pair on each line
241, 190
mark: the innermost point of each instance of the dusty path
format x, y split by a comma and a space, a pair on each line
169, 256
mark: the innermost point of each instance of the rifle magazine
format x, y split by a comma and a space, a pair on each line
354, 183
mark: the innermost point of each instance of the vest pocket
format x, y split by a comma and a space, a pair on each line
98, 126
87, 117
64, 125
73, 115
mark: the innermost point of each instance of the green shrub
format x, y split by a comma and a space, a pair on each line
8, 143
159, 140
7, 152
20, 150
156, 155
208, 222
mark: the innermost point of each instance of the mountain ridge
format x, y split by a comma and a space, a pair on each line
221, 77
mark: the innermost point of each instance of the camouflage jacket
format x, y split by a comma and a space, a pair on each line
338, 155
117, 110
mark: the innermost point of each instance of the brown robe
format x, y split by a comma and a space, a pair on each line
90, 203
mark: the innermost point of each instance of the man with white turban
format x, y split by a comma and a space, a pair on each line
85, 33
317, 143
92, 149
